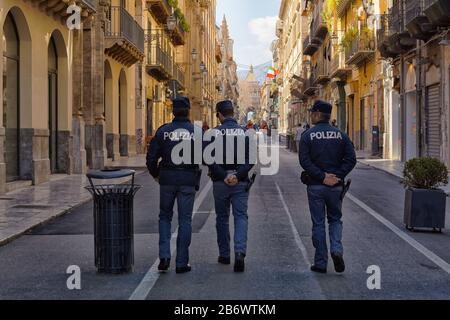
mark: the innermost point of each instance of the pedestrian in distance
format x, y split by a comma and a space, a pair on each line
178, 182
231, 188
327, 155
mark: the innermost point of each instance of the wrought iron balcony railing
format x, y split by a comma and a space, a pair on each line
361, 49
122, 26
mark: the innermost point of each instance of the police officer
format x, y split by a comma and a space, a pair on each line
231, 177
177, 182
327, 155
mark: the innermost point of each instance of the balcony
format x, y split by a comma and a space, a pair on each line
323, 72
319, 28
178, 75
310, 46
58, 9
383, 43
361, 50
399, 40
159, 63
342, 7
417, 22
160, 10
309, 86
124, 37
177, 36
338, 68
438, 11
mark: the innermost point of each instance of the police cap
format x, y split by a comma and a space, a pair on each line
321, 106
224, 106
181, 103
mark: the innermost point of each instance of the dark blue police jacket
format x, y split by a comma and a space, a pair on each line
230, 128
326, 149
161, 147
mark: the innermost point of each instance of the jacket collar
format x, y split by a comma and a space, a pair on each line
181, 119
229, 120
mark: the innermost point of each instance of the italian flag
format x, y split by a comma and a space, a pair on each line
272, 73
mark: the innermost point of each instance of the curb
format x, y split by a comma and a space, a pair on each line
379, 169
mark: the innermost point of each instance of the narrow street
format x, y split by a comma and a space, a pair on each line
413, 265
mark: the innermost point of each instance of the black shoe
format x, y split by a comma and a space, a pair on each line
318, 270
185, 269
239, 263
164, 265
339, 264
223, 260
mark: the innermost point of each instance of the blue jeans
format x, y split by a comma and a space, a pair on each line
325, 202
224, 197
185, 197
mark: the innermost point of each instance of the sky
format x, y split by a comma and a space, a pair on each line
252, 26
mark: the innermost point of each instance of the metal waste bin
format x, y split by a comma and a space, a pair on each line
113, 221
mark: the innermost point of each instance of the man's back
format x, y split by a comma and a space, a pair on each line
166, 139
325, 149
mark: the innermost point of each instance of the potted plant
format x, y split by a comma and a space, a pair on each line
425, 203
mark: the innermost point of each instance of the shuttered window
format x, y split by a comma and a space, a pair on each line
433, 121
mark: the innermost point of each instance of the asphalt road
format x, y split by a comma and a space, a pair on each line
413, 265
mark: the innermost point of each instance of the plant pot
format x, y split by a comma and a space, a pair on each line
425, 208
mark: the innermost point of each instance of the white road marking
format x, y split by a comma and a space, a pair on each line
152, 275
412, 242
298, 240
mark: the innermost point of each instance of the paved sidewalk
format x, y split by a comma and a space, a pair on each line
135, 162
27, 208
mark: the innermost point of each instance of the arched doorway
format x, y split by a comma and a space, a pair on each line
109, 114
122, 114
11, 103
53, 105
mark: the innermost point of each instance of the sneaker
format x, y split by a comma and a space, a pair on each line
318, 270
164, 265
339, 264
239, 263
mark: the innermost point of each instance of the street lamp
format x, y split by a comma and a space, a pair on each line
194, 54
171, 23
203, 67
334, 39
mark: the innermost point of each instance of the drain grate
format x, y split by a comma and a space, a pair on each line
7, 199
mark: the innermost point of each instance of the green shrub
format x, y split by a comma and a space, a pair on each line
173, 3
425, 173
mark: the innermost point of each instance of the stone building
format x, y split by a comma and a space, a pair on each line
249, 96
200, 60
413, 38
227, 71
40, 91
164, 71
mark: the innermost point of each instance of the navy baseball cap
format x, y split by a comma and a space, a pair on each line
181, 103
224, 106
321, 106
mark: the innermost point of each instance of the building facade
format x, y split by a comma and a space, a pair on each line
227, 71
249, 97
87, 82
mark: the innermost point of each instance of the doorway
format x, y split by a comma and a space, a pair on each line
53, 105
11, 110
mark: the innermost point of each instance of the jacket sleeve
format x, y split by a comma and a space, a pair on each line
244, 169
216, 170
306, 162
349, 159
154, 154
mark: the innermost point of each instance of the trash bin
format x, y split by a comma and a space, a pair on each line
113, 221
